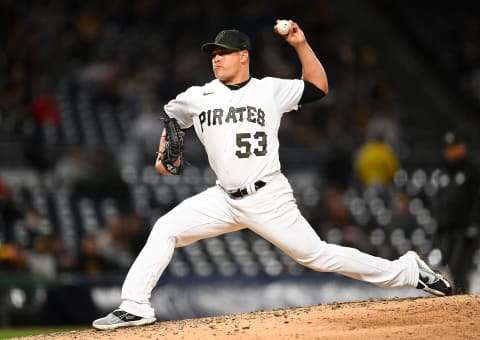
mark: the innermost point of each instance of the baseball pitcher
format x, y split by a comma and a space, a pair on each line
237, 117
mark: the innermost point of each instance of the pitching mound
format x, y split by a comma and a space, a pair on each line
454, 317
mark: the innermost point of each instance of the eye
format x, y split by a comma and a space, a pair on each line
221, 53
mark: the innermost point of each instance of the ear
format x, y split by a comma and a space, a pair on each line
244, 56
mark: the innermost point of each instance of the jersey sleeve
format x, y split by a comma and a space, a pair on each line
287, 93
179, 109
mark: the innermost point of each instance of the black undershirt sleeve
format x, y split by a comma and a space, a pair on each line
311, 93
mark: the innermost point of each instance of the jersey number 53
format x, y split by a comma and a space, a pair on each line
245, 141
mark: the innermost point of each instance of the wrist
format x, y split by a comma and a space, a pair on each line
301, 46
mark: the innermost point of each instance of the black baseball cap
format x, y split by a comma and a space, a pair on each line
230, 39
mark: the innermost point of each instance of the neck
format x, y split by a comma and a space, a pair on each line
242, 75
236, 86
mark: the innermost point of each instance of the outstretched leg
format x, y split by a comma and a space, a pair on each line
302, 243
273, 214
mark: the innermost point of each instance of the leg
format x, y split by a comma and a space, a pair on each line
443, 242
460, 261
201, 216
274, 215
302, 243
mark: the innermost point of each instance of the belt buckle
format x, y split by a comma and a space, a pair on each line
235, 193
239, 193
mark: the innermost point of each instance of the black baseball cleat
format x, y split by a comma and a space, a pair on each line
119, 318
430, 280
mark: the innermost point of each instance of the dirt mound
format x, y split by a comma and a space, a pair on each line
454, 317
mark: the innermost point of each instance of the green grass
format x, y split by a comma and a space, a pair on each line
6, 333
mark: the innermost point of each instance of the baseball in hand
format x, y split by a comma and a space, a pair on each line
283, 26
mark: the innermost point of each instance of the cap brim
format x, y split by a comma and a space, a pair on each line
209, 47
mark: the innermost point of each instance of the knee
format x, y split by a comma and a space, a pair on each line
314, 258
161, 233
307, 261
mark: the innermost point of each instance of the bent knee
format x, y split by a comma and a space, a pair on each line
162, 233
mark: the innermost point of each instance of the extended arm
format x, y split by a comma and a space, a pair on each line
312, 68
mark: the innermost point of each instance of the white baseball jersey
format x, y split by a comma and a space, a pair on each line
238, 128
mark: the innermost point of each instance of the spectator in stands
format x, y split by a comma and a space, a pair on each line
376, 163
12, 257
40, 257
71, 167
65, 261
23, 245
114, 242
137, 232
9, 213
91, 261
45, 109
102, 178
29, 228
456, 207
44, 124
143, 134
386, 120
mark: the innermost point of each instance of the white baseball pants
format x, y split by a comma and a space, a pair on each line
272, 213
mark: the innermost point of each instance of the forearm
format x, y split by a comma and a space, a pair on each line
312, 68
161, 149
165, 163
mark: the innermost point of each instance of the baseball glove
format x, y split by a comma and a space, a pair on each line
173, 154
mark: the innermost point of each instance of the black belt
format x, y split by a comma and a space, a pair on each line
243, 192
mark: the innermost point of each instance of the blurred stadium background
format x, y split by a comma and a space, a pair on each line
81, 87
